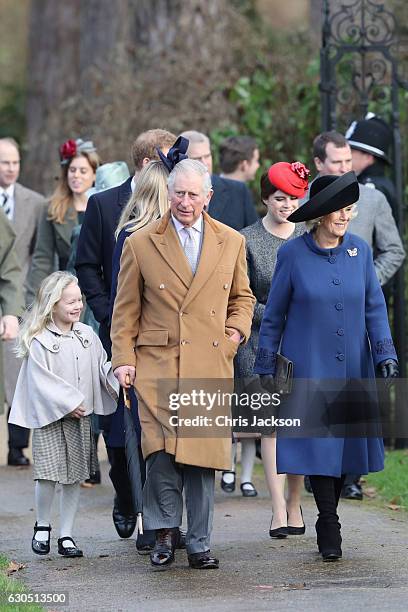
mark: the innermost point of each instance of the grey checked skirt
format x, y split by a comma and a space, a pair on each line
64, 451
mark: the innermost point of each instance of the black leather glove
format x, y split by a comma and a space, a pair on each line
388, 369
268, 383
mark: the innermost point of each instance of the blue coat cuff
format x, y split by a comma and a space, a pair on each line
265, 362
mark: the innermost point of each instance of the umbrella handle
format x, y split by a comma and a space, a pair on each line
126, 396
139, 523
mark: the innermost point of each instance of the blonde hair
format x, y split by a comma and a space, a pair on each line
62, 199
313, 224
40, 313
149, 201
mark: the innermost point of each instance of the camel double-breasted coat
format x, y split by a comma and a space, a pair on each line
174, 326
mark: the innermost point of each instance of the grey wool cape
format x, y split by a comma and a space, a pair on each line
61, 372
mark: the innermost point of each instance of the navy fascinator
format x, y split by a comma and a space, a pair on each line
176, 153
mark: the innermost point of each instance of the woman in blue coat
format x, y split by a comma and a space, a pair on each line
327, 313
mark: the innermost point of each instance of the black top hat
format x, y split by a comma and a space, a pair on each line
372, 135
327, 194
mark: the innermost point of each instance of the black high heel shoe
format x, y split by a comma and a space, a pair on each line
297, 530
279, 532
41, 548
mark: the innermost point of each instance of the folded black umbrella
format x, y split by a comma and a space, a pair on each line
133, 463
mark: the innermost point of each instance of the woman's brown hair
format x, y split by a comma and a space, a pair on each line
61, 200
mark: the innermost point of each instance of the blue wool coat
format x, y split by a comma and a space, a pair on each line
327, 308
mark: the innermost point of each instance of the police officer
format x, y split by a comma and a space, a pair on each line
370, 141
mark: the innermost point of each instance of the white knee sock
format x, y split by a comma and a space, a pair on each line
44, 495
68, 507
248, 451
229, 478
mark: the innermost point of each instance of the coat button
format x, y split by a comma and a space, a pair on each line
181, 313
340, 331
212, 313
339, 306
332, 259
55, 347
340, 356
215, 343
336, 281
225, 286
183, 342
161, 286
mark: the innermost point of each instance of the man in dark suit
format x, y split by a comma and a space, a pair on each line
231, 202
94, 269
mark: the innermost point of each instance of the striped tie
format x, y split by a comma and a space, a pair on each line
5, 205
190, 248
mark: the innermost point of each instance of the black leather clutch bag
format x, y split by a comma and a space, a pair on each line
283, 375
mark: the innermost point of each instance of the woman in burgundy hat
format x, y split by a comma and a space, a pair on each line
281, 187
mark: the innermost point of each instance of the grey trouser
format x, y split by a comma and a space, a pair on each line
163, 499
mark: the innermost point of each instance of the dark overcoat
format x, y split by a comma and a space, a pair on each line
328, 308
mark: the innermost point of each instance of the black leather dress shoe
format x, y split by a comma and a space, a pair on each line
162, 556
352, 491
41, 548
124, 523
16, 458
203, 561
71, 551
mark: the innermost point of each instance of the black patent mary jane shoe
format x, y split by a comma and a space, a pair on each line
248, 489
71, 551
41, 548
203, 561
228, 486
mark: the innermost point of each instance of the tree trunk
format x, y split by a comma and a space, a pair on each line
107, 70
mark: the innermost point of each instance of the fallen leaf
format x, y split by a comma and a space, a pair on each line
14, 567
393, 506
370, 492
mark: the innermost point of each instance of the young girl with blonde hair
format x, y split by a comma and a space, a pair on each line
65, 377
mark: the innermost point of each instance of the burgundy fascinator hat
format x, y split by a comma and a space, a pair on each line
71, 148
290, 178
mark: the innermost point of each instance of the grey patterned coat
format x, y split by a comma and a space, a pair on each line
261, 250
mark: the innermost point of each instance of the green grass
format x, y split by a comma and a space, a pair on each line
10, 585
392, 484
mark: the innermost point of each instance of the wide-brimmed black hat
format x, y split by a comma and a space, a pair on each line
327, 194
371, 135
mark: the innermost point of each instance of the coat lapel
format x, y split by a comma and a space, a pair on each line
211, 253
65, 229
167, 243
22, 210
